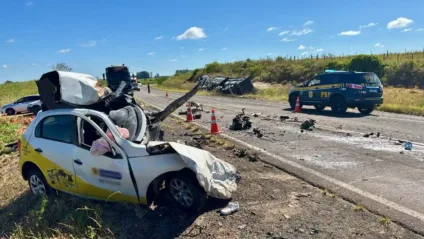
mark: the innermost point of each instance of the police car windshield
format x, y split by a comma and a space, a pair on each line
367, 78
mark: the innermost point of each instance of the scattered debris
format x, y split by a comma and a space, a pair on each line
253, 157
378, 134
295, 119
240, 152
283, 118
242, 226
256, 114
401, 152
308, 124
197, 116
258, 132
348, 135
302, 195
314, 231
241, 122
231, 208
397, 143
197, 142
13, 146
408, 146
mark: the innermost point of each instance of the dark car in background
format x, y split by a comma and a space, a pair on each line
340, 90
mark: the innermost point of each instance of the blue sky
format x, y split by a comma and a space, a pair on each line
89, 35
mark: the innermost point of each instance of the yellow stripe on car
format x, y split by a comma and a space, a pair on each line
318, 87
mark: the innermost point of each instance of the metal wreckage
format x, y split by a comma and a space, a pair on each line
124, 129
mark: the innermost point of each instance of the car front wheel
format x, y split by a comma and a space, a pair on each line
338, 104
366, 110
37, 183
10, 111
186, 192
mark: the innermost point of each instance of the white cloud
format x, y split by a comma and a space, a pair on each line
202, 49
419, 29
304, 53
224, 49
29, 4
301, 47
319, 50
34, 64
158, 38
371, 24
284, 33
407, 30
173, 60
378, 44
349, 33
270, 29
151, 53
301, 32
4, 66
64, 50
401, 22
194, 33
89, 44
287, 40
10, 40
308, 23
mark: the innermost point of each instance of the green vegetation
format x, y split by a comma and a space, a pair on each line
14, 90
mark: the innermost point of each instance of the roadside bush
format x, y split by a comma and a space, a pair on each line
213, 67
336, 65
367, 63
408, 74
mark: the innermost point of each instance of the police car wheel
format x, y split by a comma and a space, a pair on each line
366, 110
338, 104
292, 101
319, 107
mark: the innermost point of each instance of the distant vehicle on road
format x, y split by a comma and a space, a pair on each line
21, 105
340, 90
136, 86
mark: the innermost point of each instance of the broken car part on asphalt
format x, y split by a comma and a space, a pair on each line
308, 125
241, 122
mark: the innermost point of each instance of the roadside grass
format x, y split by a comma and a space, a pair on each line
12, 91
11, 127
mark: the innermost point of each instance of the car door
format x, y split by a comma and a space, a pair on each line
311, 91
20, 105
106, 176
52, 145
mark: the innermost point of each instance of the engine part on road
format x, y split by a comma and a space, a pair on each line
241, 122
258, 132
240, 152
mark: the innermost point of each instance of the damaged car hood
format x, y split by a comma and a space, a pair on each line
217, 177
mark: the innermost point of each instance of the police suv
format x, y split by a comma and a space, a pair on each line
340, 90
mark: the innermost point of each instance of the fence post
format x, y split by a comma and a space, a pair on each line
312, 57
324, 58
387, 53
294, 57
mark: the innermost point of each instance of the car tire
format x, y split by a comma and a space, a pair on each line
366, 110
319, 108
10, 111
37, 183
292, 101
338, 104
186, 192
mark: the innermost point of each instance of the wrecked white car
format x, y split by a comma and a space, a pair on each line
95, 154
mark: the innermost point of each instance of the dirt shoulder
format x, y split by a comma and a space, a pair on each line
273, 204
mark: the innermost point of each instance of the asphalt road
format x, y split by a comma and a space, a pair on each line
378, 166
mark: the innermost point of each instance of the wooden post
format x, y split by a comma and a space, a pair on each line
324, 58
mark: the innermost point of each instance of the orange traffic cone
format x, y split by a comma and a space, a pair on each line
189, 114
297, 108
214, 124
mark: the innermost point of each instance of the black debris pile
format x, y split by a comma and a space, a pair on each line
308, 125
241, 122
197, 116
284, 118
226, 85
258, 132
240, 152
197, 142
368, 135
256, 114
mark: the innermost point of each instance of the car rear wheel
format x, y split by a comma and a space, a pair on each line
338, 104
186, 192
366, 110
10, 111
319, 108
37, 183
